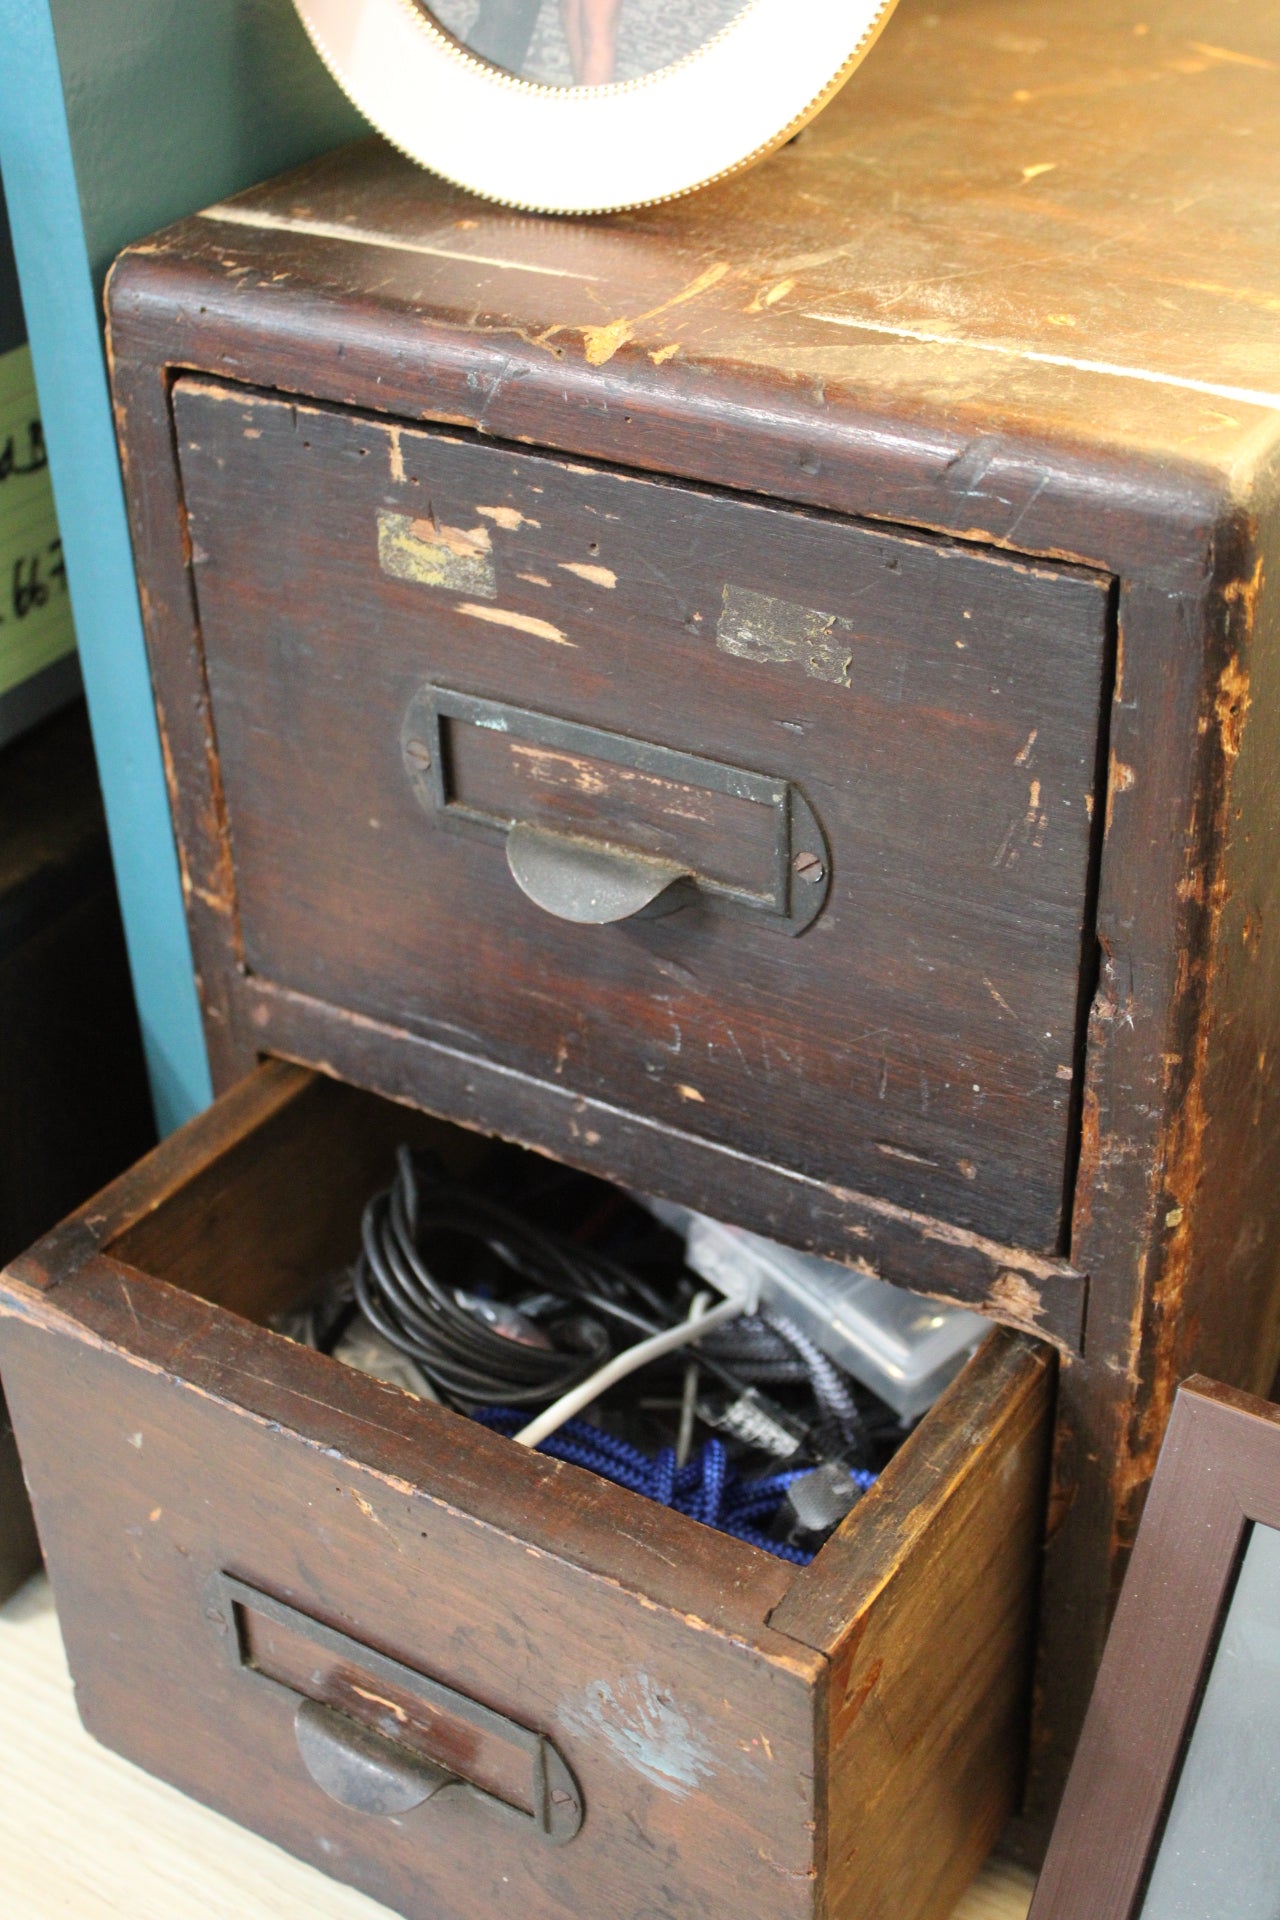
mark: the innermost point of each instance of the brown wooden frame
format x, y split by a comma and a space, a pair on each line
1219, 1473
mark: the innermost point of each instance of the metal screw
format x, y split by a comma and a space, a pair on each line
417, 753
807, 866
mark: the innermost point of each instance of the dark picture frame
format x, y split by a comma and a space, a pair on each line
1218, 1477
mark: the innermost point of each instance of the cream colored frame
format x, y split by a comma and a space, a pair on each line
593, 149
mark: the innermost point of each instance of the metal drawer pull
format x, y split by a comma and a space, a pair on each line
376, 1772
359, 1768
585, 880
598, 827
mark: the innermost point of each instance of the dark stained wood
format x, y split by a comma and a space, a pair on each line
253, 1229
918, 1042
644, 1645
1008, 1283
169, 1169
1015, 288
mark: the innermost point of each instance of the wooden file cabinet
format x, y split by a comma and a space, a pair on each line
876, 548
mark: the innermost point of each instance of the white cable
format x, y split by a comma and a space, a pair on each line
623, 1364
689, 1398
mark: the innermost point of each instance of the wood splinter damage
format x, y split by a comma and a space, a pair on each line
520, 622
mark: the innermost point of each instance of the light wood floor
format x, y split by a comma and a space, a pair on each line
86, 1836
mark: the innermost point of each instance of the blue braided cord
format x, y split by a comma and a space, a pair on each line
744, 1508
584, 1446
706, 1497
705, 1488
798, 1556
662, 1476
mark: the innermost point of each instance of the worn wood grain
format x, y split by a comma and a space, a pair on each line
577, 1655
946, 738
84, 1833
253, 1228
1011, 1284
961, 1591
1015, 288
676, 1669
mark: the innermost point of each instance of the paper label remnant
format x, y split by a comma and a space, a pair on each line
779, 633
457, 558
35, 610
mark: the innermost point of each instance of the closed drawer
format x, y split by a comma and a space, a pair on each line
646, 1718
460, 693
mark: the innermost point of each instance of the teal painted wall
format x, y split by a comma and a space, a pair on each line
117, 116
173, 103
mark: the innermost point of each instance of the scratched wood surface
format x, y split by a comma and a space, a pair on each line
944, 732
1017, 288
977, 1525
86, 1836
736, 1753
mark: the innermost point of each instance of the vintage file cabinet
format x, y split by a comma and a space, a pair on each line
858, 578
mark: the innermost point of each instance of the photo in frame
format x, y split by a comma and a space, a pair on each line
581, 106
1172, 1809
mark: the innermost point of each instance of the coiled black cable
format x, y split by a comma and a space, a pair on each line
444, 1329
551, 1309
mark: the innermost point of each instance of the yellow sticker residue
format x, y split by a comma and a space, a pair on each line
459, 559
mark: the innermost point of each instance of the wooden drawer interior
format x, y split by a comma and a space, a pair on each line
843, 1739
877, 753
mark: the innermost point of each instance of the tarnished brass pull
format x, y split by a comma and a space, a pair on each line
359, 1768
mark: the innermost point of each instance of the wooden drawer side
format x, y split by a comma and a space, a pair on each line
926, 1609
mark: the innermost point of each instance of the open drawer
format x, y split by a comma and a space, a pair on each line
307, 1598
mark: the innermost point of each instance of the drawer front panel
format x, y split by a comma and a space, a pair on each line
658, 1723
898, 1009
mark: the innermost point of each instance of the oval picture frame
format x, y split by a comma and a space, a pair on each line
592, 149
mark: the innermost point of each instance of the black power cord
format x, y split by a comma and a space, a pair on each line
497, 1310
475, 1350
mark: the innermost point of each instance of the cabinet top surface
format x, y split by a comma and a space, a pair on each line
1055, 218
